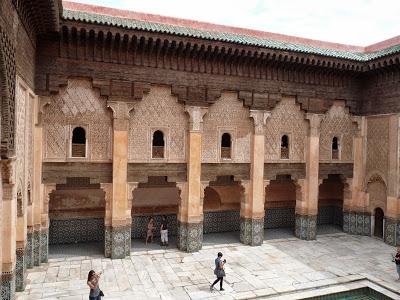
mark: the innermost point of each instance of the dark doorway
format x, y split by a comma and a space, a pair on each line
378, 231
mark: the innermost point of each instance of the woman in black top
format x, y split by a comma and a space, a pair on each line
397, 261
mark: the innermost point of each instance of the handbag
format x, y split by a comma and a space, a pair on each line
101, 293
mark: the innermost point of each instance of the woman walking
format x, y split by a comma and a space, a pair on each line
397, 261
219, 272
150, 228
93, 283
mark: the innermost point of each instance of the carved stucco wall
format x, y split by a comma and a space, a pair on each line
229, 115
158, 110
78, 104
376, 190
377, 147
24, 139
286, 118
337, 122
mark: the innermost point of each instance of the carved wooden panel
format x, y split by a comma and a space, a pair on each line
286, 119
377, 146
158, 110
229, 115
337, 122
78, 104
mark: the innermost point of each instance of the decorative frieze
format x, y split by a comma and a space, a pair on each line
7, 285
20, 269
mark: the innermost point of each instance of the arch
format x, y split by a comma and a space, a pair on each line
78, 142
284, 147
226, 146
378, 222
158, 144
335, 148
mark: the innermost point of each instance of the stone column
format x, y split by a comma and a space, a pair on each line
190, 215
29, 230
118, 231
37, 188
45, 223
131, 187
252, 210
307, 193
392, 214
8, 228
356, 217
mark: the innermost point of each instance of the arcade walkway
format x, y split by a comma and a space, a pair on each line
95, 249
278, 267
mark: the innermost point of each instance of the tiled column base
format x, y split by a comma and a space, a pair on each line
357, 223
20, 270
29, 248
190, 236
117, 241
36, 246
252, 231
44, 245
306, 227
391, 231
7, 280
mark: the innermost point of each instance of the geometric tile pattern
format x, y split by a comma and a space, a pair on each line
190, 236
20, 270
279, 218
44, 245
330, 215
391, 226
358, 223
76, 230
117, 242
306, 227
252, 231
7, 285
36, 247
29, 249
221, 221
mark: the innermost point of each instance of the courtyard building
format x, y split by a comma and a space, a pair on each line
109, 117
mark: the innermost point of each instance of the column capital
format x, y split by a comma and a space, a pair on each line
8, 170
259, 118
315, 123
360, 122
196, 114
39, 106
121, 112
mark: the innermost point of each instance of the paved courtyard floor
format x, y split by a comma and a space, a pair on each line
278, 268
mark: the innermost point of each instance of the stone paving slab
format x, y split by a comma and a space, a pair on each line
278, 268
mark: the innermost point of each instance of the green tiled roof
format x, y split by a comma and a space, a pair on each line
222, 36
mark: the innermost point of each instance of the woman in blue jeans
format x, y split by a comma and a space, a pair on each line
93, 283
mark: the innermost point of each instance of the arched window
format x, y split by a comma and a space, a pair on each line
285, 147
158, 144
335, 148
78, 142
226, 146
